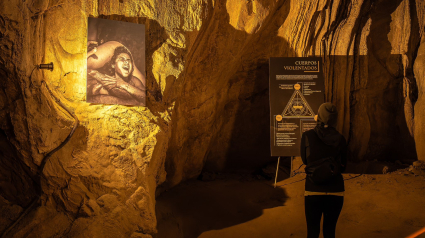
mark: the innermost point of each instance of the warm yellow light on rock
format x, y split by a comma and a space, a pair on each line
114, 144
246, 15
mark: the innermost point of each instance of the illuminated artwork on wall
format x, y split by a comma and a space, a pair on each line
116, 62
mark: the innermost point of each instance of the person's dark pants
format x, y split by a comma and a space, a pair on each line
328, 205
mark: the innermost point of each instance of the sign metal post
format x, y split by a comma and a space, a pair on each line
277, 169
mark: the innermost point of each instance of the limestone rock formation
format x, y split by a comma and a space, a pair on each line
207, 106
419, 118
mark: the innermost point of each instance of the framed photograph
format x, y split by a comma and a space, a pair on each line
116, 62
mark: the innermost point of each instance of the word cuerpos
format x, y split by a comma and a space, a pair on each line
303, 65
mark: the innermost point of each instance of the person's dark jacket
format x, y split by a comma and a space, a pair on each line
324, 142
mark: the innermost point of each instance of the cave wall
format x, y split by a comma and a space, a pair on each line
419, 74
102, 182
207, 105
369, 48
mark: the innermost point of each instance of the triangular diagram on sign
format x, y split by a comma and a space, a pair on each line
297, 105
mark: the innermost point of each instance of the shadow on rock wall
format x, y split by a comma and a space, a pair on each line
377, 99
378, 130
192, 208
222, 116
248, 145
17, 188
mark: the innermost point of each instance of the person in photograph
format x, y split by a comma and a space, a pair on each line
323, 151
112, 77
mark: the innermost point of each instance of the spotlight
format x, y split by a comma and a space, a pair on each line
46, 66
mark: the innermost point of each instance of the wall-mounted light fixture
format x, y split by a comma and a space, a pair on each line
48, 66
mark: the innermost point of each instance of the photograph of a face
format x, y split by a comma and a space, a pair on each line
116, 62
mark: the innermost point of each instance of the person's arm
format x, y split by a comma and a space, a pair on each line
135, 92
343, 155
303, 148
94, 84
108, 83
91, 83
96, 59
118, 87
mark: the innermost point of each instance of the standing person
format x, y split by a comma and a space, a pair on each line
323, 196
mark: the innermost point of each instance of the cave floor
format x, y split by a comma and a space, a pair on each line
385, 205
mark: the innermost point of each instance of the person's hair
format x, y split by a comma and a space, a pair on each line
117, 51
327, 115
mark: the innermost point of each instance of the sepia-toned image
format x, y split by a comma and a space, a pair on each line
116, 62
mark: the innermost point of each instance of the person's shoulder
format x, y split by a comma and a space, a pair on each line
309, 132
137, 82
341, 137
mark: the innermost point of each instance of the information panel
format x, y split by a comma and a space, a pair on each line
296, 92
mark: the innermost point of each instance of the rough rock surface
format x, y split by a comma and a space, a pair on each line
103, 180
221, 117
419, 119
207, 106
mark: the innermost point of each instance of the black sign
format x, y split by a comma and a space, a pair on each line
296, 92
